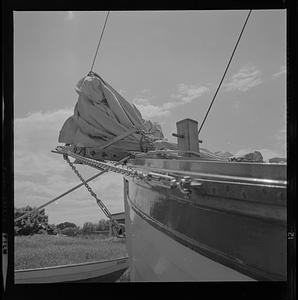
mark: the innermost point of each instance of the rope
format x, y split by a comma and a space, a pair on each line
96, 52
225, 72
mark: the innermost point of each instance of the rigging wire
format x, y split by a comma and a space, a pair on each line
225, 71
102, 31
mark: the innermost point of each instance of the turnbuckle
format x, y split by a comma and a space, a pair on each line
184, 185
170, 182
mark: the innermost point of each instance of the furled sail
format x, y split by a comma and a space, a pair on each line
102, 115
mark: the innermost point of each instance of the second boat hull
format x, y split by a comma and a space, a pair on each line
101, 271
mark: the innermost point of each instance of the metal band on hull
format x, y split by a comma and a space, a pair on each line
256, 173
241, 226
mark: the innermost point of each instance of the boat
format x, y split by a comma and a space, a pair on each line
231, 227
98, 271
190, 215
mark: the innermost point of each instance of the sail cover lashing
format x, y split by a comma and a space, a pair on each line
101, 115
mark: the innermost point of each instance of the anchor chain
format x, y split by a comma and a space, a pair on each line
98, 201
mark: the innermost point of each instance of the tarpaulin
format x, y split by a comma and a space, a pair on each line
102, 114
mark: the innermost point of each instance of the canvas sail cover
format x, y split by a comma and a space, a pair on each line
102, 114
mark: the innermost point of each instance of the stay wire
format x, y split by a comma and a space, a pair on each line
225, 71
102, 32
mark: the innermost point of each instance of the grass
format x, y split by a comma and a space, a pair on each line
39, 251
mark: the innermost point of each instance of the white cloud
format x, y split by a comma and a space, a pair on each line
122, 92
144, 91
149, 110
245, 79
26, 186
282, 71
187, 93
170, 105
39, 130
37, 164
281, 140
40, 175
266, 153
141, 101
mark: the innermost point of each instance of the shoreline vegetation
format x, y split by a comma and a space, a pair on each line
42, 250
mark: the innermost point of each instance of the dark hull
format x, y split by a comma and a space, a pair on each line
111, 277
101, 271
237, 217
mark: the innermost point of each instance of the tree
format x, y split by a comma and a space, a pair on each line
36, 222
52, 229
63, 225
102, 225
70, 231
88, 228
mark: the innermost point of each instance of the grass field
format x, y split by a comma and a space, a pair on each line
40, 251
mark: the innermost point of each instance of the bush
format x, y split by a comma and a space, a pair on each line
37, 222
103, 225
88, 228
70, 231
63, 225
51, 229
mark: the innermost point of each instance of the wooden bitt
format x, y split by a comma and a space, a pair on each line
187, 134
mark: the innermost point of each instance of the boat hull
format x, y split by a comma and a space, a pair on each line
102, 271
155, 256
227, 230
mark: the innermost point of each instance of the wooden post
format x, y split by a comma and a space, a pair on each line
187, 133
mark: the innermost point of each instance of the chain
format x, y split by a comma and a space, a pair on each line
155, 178
98, 201
102, 165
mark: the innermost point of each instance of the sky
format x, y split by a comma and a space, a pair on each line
168, 63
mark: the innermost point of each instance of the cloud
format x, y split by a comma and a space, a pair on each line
38, 189
40, 175
149, 110
144, 91
187, 93
245, 79
266, 153
122, 92
42, 128
282, 71
34, 137
37, 164
281, 140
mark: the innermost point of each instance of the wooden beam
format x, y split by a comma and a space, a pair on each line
187, 134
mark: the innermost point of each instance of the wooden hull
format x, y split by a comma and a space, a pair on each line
232, 227
101, 271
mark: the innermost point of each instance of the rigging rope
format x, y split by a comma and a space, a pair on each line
225, 72
96, 52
